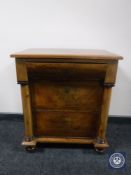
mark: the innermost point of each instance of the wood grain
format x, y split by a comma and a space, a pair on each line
28, 123
66, 71
65, 123
66, 53
66, 94
61, 95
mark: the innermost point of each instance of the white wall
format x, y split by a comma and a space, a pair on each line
96, 24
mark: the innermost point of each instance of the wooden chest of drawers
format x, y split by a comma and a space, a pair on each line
66, 95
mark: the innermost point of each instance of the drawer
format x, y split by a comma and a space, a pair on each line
65, 123
63, 95
66, 71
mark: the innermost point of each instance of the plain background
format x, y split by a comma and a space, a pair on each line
86, 24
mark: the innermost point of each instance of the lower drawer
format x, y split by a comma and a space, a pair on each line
65, 123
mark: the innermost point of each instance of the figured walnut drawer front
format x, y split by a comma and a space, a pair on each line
65, 123
63, 95
66, 71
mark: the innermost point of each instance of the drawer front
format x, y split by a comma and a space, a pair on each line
66, 98
63, 95
65, 123
66, 71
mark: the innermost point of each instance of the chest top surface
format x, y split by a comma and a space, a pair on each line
87, 54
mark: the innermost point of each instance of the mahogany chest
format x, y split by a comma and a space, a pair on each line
66, 95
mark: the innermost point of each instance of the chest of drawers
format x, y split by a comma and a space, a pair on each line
66, 95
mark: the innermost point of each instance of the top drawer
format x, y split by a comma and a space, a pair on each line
65, 71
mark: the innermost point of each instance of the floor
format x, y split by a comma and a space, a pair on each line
60, 159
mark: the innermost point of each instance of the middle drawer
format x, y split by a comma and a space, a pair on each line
63, 95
